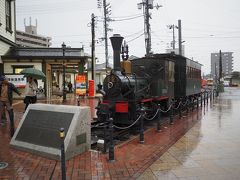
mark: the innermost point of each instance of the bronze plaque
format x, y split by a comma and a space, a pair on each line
42, 127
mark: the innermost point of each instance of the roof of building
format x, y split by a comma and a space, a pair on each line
46, 53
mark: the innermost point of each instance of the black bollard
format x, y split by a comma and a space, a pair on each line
180, 109
63, 166
204, 99
187, 104
211, 93
207, 97
78, 100
11, 118
171, 115
192, 100
111, 143
197, 102
105, 138
142, 126
201, 99
159, 119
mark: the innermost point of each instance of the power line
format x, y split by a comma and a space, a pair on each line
135, 38
126, 19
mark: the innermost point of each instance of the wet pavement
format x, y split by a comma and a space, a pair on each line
209, 150
202, 145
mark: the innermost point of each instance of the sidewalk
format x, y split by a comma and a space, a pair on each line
209, 150
131, 158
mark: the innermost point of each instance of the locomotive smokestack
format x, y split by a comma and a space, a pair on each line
116, 41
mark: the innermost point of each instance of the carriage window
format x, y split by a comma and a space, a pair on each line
171, 71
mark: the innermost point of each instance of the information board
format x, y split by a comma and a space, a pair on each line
81, 85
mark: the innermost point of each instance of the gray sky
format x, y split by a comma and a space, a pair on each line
207, 25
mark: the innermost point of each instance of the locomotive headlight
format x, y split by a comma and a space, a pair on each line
110, 85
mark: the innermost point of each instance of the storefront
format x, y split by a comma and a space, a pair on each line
52, 61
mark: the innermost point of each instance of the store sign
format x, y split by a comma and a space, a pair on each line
81, 85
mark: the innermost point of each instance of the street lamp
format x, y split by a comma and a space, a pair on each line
64, 71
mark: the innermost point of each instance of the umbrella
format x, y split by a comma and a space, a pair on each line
32, 72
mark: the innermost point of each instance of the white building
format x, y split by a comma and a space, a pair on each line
7, 27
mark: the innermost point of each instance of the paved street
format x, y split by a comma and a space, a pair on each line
209, 150
202, 145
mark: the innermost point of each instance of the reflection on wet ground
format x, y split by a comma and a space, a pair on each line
210, 149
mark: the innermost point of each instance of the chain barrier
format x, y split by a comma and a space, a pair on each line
185, 103
178, 105
166, 110
98, 126
123, 128
150, 119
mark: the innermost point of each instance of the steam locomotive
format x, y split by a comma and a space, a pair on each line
146, 82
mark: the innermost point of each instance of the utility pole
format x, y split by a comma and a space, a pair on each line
147, 24
146, 5
107, 11
93, 45
220, 87
180, 37
173, 28
220, 65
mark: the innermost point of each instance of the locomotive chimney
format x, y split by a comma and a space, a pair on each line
116, 41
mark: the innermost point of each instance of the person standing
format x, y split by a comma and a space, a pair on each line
3, 110
30, 92
6, 98
70, 87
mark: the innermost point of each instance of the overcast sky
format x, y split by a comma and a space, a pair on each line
207, 25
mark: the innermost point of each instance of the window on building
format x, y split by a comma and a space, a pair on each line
18, 68
8, 16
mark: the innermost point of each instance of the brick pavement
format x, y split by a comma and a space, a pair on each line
131, 161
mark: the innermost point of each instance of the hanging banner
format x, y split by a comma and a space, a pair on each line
81, 85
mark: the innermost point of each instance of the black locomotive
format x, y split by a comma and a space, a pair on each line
148, 81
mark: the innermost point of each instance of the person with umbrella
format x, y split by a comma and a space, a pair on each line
30, 92
6, 98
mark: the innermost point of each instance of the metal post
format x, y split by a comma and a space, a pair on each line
105, 138
111, 143
211, 93
63, 166
78, 100
187, 106
204, 99
11, 118
192, 102
142, 126
171, 114
64, 72
197, 102
159, 119
180, 109
207, 96
201, 99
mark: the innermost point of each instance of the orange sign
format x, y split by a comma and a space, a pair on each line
81, 85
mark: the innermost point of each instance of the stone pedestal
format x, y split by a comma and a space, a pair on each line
38, 131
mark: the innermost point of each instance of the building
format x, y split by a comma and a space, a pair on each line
52, 61
30, 38
7, 27
227, 64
